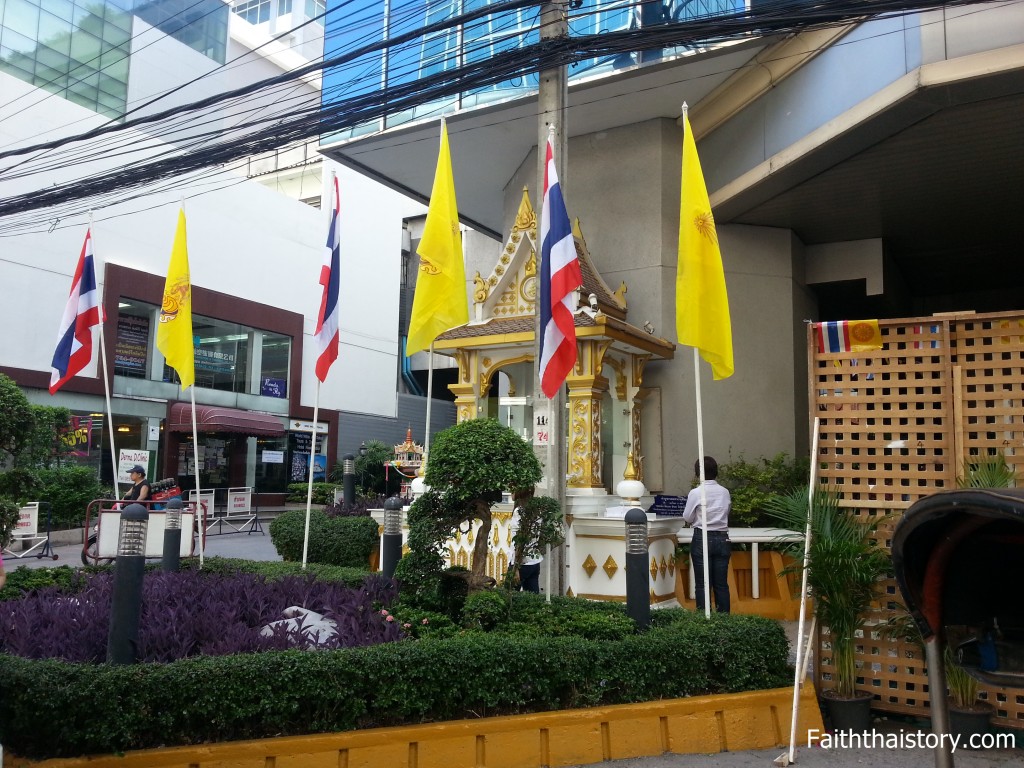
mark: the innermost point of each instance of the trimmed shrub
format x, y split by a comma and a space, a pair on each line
323, 493
273, 569
344, 541
486, 610
59, 709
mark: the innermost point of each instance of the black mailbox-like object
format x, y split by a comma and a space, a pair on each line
959, 562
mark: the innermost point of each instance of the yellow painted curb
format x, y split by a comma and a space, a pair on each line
697, 725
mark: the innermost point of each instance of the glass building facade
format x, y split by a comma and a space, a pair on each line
81, 50
352, 25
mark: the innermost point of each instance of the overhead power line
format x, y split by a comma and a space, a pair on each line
268, 130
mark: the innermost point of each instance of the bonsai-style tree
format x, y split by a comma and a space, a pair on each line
469, 467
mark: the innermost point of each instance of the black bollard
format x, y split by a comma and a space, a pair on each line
126, 600
391, 541
638, 584
348, 478
172, 537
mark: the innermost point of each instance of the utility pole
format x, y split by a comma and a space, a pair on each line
552, 96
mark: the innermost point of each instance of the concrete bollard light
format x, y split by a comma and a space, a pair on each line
126, 600
638, 594
172, 537
391, 541
348, 478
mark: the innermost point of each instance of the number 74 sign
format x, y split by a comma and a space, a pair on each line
541, 433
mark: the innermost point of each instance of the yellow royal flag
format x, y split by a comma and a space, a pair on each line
174, 332
702, 305
440, 299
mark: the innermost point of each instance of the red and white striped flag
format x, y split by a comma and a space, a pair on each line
559, 276
81, 313
326, 335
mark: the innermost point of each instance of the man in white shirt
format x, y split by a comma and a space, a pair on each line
719, 547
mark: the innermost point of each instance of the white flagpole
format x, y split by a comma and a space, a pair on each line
703, 490
801, 668
430, 389
309, 485
103, 369
200, 516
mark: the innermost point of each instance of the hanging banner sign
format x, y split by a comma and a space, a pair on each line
126, 459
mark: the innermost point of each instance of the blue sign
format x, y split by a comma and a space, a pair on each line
274, 387
671, 506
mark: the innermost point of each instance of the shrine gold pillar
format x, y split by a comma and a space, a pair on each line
586, 391
467, 388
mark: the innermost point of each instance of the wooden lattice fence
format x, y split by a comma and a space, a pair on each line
897, 424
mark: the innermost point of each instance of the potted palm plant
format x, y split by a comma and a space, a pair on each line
968, 715
845, 566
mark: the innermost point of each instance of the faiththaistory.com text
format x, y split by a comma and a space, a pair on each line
908, 740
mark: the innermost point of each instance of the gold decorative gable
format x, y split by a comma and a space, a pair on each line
511, 288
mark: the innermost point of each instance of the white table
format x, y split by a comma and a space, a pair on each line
752, 536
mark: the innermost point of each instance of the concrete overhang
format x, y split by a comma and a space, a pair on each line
488, 144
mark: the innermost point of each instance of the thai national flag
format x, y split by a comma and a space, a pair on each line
327, 321
559, 277
81, 313
834, 336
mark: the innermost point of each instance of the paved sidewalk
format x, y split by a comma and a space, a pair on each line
249, 546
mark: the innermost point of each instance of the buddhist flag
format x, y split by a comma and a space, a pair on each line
440, 299
848, 336
702, 305
174, 332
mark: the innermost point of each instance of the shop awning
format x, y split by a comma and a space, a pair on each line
210, 418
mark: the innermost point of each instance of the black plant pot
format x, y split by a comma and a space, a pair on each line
964, 723
849, 715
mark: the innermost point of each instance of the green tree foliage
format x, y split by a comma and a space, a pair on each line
16, 421
372, 477
8, 519
752, 483
69, 489
540, 526
45, 446
470, 465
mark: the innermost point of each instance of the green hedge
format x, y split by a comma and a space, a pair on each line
56, 709
271, 569
323, 493
344, 541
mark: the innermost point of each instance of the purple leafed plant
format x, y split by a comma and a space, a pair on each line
192, 613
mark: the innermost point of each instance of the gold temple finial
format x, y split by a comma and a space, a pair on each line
631, 471
526, 218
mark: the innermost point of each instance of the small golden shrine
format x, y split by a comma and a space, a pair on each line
495, 355
408, 461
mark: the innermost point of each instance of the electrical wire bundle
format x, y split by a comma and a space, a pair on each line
194, 143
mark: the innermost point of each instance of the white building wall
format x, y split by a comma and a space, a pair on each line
244, 239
